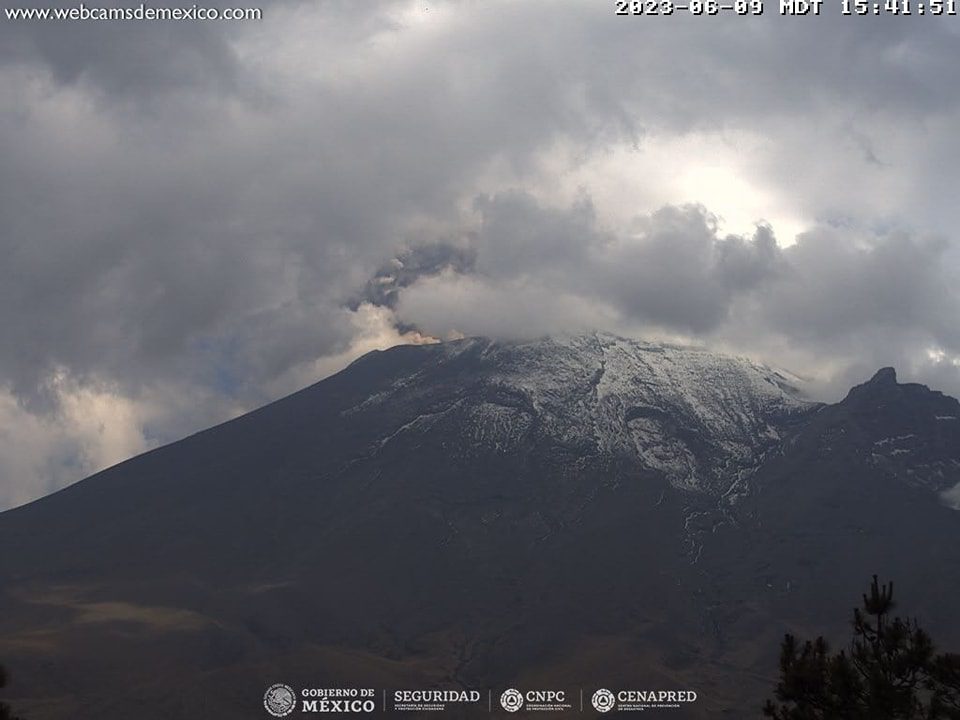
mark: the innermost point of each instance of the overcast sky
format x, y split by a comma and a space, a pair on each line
196, 218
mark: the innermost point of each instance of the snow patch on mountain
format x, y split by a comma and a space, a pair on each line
698, 418
951, 497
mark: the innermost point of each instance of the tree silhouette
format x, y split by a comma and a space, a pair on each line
892, 672
5, 712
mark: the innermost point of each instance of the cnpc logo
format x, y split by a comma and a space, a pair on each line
513, 700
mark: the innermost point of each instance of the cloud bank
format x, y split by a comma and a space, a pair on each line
200, 217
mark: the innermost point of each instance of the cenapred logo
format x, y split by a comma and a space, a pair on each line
280, 700
603, 700
511, 700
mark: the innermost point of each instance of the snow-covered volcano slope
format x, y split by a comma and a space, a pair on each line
700, 418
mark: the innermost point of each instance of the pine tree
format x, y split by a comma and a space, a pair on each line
892, 672
5, 712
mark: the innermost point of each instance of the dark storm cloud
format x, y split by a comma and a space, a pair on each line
196, 209
861, 299
838, 286
128, 59
671, 270
144, 59
676, 271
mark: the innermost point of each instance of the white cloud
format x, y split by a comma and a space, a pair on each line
92, 428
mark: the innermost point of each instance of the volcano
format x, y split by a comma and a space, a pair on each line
576, 512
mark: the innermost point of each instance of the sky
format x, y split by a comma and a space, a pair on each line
199, 217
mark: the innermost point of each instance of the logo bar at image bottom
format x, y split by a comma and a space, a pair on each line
282, 700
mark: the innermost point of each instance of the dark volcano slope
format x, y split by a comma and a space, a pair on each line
559, 513
859, 490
